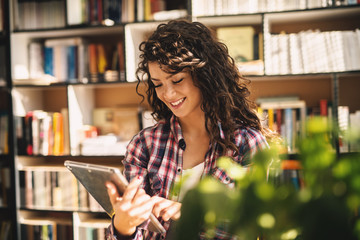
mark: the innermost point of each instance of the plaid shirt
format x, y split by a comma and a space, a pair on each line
156, 153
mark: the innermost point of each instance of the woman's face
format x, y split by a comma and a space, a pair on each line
177, 91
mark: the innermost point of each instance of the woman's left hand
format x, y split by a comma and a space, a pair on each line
166, 209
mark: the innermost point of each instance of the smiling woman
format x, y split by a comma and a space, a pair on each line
201, 103
177, 92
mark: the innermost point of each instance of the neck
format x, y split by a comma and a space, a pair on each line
193, 125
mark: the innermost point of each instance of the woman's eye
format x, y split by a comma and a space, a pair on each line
156, 86
178, 81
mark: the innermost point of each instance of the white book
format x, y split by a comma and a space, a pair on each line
355, 128
331, 56
306, 51
60, 63
347, 50
47, 135
39, 189
295, 54
275, 57
140, 10
36, 60
352, 50
343, 121
232, 7
267, 54
284, 59
320, 53
338, 48
210, 7
38, 117
312, 49
74, 12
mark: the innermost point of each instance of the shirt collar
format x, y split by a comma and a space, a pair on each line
176, 128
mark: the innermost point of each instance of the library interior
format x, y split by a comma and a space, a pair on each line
68, 91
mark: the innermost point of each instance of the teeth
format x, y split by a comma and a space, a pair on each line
177, 102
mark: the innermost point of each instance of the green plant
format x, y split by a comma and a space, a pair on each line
325, 208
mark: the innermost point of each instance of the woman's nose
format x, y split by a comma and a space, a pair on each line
169, 92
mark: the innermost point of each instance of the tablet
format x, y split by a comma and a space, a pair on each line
93, 177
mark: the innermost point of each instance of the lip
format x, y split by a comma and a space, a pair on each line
181, 101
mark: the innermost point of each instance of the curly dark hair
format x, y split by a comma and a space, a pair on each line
182, 45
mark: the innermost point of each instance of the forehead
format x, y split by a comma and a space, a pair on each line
160, 71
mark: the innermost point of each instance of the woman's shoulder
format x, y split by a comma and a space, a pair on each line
250, 135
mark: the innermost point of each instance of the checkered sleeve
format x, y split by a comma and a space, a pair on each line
112, 234
251, 141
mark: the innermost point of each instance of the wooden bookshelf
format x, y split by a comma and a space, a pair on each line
80, 98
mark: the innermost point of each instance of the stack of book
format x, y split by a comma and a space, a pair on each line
74, 60
312, 51
41, 133
47, 188
284, 115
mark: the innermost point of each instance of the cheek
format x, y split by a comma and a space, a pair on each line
159, 93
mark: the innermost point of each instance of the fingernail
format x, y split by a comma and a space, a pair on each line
139, 177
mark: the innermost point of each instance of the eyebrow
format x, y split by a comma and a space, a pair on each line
170, 76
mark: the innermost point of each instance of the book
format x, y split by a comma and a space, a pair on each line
239, 40
36, 65
58, 133
296, 62
65, 59
343, 123
74, 12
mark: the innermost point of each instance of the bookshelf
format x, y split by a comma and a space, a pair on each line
8, 213
77, 99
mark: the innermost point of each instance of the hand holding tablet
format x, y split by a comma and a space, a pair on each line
94, 178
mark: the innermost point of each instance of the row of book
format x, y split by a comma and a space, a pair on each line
109, 12
44, 188
48, 133
286, 172
349, 127
32, 229
286, 118
5, 230
312, 51
91, 233
230, 7
36, 14
97, 12
29, 14
75, 60
4, 132
5, 186
42, 133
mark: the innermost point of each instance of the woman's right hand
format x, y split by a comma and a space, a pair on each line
132, 209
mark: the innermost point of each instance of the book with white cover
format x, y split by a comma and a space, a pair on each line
295, 54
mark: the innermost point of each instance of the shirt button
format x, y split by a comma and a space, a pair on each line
179, 170
227, 179
162, 237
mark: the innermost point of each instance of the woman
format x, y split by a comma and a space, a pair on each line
201, 103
